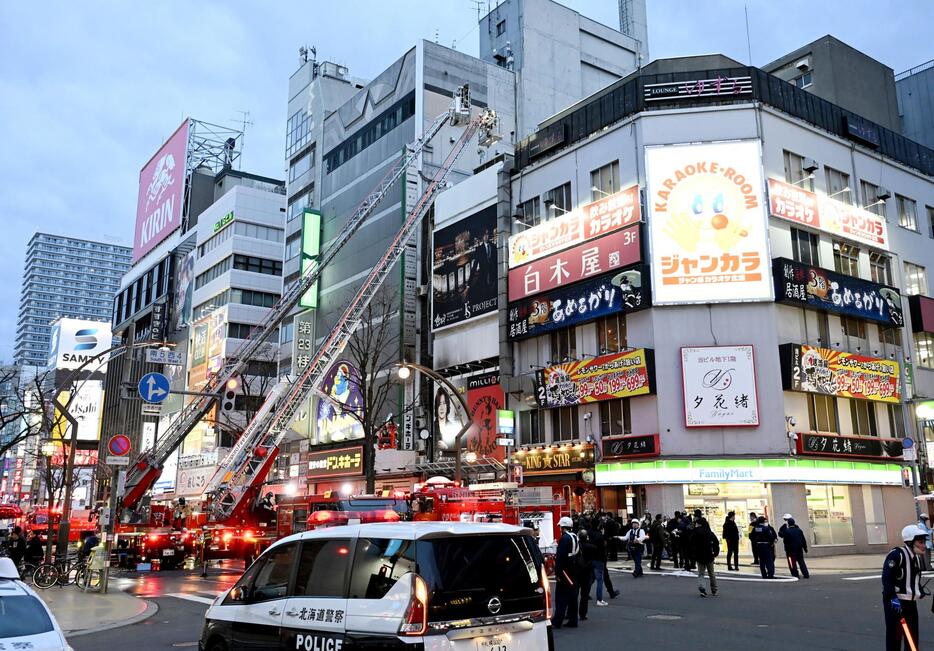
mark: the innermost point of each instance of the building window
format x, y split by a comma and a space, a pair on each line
250, 297
604, 180
794, 171
529, 212
829, 514
880, 268
532, 431
915, 280
846, 258
871, 201
239, 330
889, 336
896, 421
611, 333
557, 201
302, 164
375, 129
822, 413
257, 265
924, 349
803, 81
863, 418
615, 419
823, 328
501, 28
853, 327
874, 510
804, 246
838, 185
930, 212
907, 212
564, 425
212, 273
563, 345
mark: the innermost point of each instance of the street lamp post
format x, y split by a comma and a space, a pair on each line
405, 370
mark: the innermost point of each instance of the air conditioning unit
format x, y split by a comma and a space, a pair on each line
423, 290
883, 193
803, 65
810, 165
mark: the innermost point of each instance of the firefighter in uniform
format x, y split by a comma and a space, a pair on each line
901, 589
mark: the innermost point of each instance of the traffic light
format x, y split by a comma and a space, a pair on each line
228, 400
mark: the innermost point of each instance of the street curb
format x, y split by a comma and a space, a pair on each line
151, 609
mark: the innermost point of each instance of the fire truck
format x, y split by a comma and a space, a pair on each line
301, 513
37, 520
234, 491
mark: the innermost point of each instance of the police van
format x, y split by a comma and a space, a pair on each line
419, 586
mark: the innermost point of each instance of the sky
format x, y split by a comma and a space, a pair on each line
90, 90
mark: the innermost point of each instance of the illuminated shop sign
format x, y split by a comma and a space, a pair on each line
836, 373
620, 375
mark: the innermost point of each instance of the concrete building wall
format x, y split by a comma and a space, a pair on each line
915, 92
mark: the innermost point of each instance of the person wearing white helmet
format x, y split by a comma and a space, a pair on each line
925, 523
566, 576
901, 589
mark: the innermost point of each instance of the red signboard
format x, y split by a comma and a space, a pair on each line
594, 220
922, 313
587, 260
619, 375
823, 213
484, 397
82, 457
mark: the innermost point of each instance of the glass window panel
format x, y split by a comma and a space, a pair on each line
829, 515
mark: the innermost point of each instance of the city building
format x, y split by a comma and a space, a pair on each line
915, 89
64, 277
721, 307
845, 77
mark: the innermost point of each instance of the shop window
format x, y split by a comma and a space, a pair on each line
863, 418
875, 515
880, 268
557, 201
604, 181
838, 185
804, 246
915, 280
896, 421
529, 212
564, 424
822, 413
890, 337
615, 418
930, 212
611, 333
829, 515
846, 259
924, 349
531, 430
563, 345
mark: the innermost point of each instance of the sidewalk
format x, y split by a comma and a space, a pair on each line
79, 613
843, 564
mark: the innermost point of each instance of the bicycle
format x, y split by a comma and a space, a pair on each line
87, 579
61, 572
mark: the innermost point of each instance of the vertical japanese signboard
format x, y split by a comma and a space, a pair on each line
709, 225
311, 247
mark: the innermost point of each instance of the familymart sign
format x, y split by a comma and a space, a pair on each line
766, 471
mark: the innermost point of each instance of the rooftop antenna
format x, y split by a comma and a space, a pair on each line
748, 42
436, 35
478, 5
245, 122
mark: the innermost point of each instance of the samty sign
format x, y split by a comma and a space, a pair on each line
161, 193
709, 227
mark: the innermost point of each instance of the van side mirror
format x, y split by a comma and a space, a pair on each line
239, 593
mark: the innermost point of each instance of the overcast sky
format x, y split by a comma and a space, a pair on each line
89, 90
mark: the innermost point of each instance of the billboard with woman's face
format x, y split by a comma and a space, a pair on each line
336, 420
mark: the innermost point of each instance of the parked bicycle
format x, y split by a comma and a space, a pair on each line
60, 572
88, 579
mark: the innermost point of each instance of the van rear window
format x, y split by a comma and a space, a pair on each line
22, 615
481, 576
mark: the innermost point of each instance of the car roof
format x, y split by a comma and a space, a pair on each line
407, 531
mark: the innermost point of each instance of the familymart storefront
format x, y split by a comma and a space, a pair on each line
845, 507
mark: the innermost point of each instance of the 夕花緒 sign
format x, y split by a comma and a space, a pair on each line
601, 217
620, 375
719, 386
835, 373
709, 228
864, 447
631, 447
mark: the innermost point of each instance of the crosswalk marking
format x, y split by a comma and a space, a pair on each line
190, 597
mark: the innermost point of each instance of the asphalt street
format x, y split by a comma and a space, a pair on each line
664, 612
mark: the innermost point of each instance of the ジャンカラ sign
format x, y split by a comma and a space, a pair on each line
620, 375
835, 373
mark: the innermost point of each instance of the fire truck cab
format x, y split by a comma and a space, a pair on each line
301, 513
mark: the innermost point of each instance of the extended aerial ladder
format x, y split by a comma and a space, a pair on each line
250, 458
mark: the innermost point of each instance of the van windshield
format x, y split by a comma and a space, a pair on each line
481, 576
22, 615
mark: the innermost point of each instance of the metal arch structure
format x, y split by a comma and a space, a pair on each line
148, 466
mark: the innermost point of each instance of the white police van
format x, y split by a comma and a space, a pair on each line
415, 586
25, 621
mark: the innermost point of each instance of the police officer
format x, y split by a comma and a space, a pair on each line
901, 589
763, 539
566, 576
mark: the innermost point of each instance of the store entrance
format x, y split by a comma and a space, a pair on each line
716, 500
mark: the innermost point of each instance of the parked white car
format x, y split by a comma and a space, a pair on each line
25, 621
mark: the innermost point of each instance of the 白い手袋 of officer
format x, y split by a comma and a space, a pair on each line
901, 589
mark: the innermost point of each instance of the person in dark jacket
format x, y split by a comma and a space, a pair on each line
674, 539
704, 548
566, 580
610, 533
763, 539
586, 574
902, 588
35, 551
687, 529
601, 571
731, 536
16, 546
796, 545
753, 520
657, 536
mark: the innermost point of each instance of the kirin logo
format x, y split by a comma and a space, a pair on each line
162, 178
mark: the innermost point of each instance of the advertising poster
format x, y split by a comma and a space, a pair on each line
340, 397
217, 339
484, 397
622, 292
584, 261
184, 288
620, 375
801, 206
602, 217
822, 289
161, 193
85, 407
464, 272
709, 226
75, 341
835, 373
335, 463
719, 386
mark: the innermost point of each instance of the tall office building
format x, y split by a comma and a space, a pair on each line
64, 276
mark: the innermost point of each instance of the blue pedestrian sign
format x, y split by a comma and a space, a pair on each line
154, 387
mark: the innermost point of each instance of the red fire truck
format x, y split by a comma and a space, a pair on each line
305, 512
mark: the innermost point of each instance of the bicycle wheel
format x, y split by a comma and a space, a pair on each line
45, 576
72, 571
93, 580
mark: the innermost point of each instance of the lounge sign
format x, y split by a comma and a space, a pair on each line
865, 447
822, 289
555, 460
801, 206
335, 463
602, 217
835, 373
623, 292
620, 375
631, 447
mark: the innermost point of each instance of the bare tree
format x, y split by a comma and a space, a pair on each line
255, 384
20, 419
